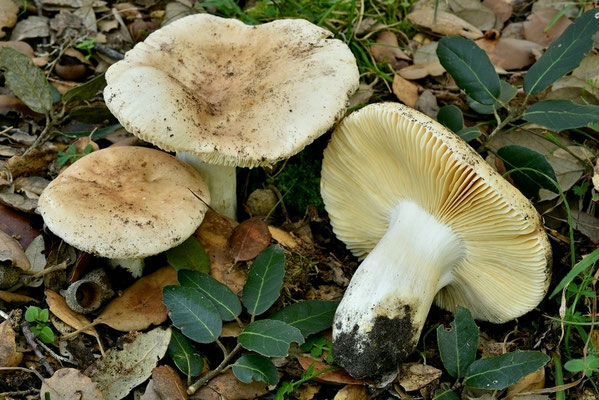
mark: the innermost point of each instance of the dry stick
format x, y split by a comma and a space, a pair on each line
193, 388
30, 337
23, 369
43, 136
78, 331
107, 51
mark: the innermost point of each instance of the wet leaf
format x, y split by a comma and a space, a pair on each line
529, 181
564, 54
192, 313
270, 338
471, 68
189, 255
225, 301
559, 115
140, 305
496, 373
9, 356
457, 346
310, 316
264, 281
253, 367
70, 384
122, 370
168, 384
249, 239
11, 251
184, 355
25, 80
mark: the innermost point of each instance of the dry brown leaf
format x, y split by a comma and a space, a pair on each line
352, 392
413, 376
214, 234
406, 91
596, 176
533, 381
307, 391
11, 250
37, 160
337, 376
231, 329
502, 9
283, 238
31, 27
15, 224
58, 306
8, 15
419, 71
249, 239
9, 356
595, 339
586, 224
140, 305
70, 384
168, 383
227, 386
150, 393
509, 53
533, 28
11, 297
361, 96
386, 49
444, 23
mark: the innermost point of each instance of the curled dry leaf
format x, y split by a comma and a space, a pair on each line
337, 376
12, 252
533, 28
140, 305
121, 370
11, 297
9, 356
352, 392
168, 383
386, 49
406, 91
249, 239
413, 376
530, 382
284, 238
509, 53
227, 386
419, 71
70, 384
444, 24
58, 306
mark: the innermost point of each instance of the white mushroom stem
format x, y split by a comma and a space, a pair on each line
222, 183
382, 313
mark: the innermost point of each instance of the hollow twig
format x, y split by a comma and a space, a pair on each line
30, 337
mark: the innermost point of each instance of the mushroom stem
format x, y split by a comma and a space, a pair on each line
382, 313
222, 183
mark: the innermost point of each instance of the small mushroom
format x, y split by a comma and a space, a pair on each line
229, 94
125, 202
435, 223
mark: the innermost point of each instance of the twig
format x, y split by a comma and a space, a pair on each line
34, 372
4, 315
107, 51
19, 393
221, 367
44, 136
53, 354
31, 278
30, 337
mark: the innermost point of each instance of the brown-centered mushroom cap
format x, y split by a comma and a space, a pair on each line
231, 93
125, 202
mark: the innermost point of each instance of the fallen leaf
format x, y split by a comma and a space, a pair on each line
510, 53
352, 392
586, 224
9, 356
121, 370
36, 161
11, 297
17, 201
249, 239
85, 11
596, 176
150, 393
559, 5
70, 384
533, 381
231, 329
386, 49
533, 28
406, 91
337, 376
283, 238
58, 306
413, 376
32, 186
140, 305
227, 386
419, 71
11, 250
307, 391
9, 103
481, 16
426, 53
502, 9
444, 23
168, 383
30, 28
15, 224
361, 96
8, 15
175, 10
427, 103
37, 259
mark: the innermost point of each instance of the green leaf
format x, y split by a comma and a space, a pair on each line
469, 133
192, 313
25, 80
496, 373
225, 301
86, 91
46, 335
582, 265
254, 367
564, 54
558, 115
529, 182
589, 365
264, 280
309, 316
447, 394
95, 135
44, 315
458, 345
189, 255
508, 92
470, 67
32, 313
184, 355
271, 338
451, 117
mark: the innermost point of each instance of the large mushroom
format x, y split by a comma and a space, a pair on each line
231, 94
435, 223
125, 202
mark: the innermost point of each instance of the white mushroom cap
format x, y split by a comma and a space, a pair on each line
125, 202
472, 237
231, 93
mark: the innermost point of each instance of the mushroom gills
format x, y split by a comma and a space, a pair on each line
381, 316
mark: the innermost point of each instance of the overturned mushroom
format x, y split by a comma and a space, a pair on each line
231, 94
125, 202
434, 223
